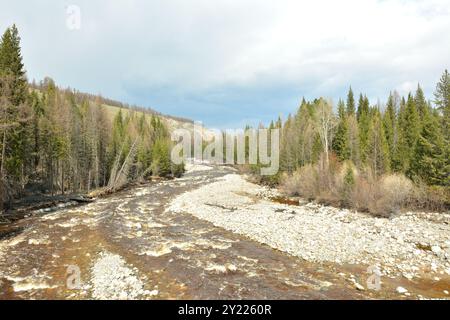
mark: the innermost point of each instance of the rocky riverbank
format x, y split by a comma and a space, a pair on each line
112, 279
130, 245
411, 245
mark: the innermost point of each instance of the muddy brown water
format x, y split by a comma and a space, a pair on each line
177, 254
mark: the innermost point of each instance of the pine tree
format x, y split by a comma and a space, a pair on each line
430, 162
398, 160
288, 160
118, 132
350, 102
363, 107
161, 164
353, 139
421, 103
442, 100
389, 122
410, 131
11, 65
378, 149
348, 185
279, 123
341, 139
341, 109
15, 116
363, 117
38, 112
303, 134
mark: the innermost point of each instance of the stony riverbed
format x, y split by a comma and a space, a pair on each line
212, 235
408, 244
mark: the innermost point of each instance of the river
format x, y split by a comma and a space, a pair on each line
156, 254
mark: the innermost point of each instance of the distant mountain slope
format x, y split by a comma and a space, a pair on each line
113, 106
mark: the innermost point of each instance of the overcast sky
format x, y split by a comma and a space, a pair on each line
229, 62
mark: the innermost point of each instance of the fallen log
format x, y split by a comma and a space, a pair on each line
82, 199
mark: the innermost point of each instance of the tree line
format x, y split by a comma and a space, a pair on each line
60, 141
406, 136
370, 157
80, 96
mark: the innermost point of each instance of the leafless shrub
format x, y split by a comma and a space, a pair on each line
290, 184
430, 198
343, 185
302, 182
328, 191
363, 193
390, 194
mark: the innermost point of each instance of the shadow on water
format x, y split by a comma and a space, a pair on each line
9, 231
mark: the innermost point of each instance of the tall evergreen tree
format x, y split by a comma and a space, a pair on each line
421, 103
350, 102
363, 116
442, 100
410, 131
341, 140
398, 161
378, 149
363, 107
353, 139
430, 162
288, 157
161, 164
15, 116
11, 65
389, 121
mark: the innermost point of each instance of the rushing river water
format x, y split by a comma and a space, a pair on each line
175, 256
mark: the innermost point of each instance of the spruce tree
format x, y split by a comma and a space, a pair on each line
353, 139
288, 160
363, 116
389, 121
378, 149
11, 65
421, 103
15, 116
341, 140
363, 107
161, 164
410, 131
279, 123
341, 109
442, 100
348, 185
350, 102
397, 158
430, 162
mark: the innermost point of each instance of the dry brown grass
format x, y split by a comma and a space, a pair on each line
430, 198
343, 185
302, 182
390, 194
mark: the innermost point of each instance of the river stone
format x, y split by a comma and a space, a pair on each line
401, 290
437, 250
359, 287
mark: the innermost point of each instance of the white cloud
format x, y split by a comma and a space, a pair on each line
136, 50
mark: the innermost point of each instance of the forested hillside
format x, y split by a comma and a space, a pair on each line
374, 158
59, 140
